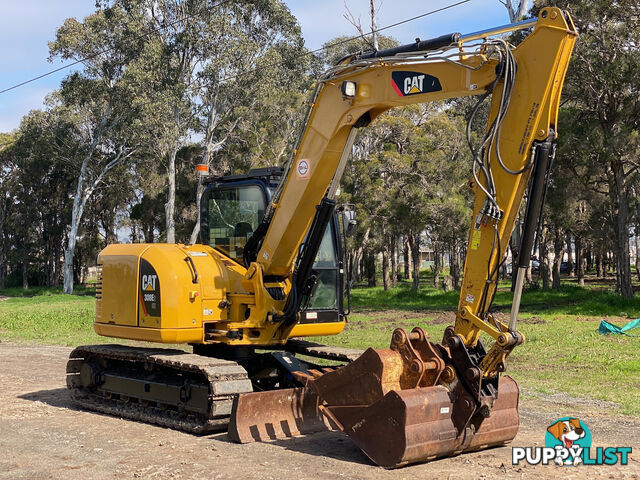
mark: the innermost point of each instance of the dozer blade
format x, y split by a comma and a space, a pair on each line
276, 414
395, 426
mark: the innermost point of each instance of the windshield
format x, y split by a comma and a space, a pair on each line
234, 214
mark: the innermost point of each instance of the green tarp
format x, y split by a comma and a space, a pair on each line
606, 328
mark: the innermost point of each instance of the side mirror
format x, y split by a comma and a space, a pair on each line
349, 222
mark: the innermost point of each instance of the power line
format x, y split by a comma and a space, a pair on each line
106, 50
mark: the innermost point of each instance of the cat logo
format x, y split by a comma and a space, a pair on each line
413, 83
149, 282
149, 291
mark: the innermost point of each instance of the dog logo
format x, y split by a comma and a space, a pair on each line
567, 442
567, 432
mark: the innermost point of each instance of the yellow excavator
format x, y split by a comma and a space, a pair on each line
269, 270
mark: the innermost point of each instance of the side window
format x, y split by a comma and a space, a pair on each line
234, 214
325, 296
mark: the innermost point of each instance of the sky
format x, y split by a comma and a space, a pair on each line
26, 27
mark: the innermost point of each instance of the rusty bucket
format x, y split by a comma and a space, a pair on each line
276, 414
379, 400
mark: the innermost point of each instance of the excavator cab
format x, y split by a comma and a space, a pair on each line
233, 207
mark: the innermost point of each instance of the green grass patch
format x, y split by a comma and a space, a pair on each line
49, 318
46, 291
569, 299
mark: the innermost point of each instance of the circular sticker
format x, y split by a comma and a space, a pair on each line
303, 168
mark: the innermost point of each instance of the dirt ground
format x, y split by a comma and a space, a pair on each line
42, 435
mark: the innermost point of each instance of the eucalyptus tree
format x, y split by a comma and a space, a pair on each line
252, 74
206, 69
517, 10
36, 172
6, 140
98, 102
602, 87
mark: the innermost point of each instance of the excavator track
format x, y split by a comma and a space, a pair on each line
166, 387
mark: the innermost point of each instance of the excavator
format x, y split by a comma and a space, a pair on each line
269, 271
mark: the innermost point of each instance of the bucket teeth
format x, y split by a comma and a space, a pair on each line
276, 414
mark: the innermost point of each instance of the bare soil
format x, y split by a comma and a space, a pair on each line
43, 435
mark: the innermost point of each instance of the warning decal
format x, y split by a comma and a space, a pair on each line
303, 168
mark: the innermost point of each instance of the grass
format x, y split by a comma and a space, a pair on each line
50, 318
46, 291
563, 352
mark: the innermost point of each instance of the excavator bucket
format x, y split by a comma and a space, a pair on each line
276, 414
388, 402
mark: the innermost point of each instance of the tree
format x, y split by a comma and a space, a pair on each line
516, 10
254, 70
98, 102
36, 173
6, 140
602, 91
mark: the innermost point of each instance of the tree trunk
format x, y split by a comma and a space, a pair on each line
195, 233
386, 279
514, 245
79, 202
517, 9
394, 261
570, 255
83, 192
414, 245
579, 261
437, 268
558, 250
455, 265
637, 259
357, 269
370, 267
618, 194
407, 260
170, 206
25, 275
374, 28
545, 268
599, 263
356, 262
3, 260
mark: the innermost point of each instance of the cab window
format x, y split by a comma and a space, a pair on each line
234, 214
326, 265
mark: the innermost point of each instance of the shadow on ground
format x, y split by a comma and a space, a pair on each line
58, 397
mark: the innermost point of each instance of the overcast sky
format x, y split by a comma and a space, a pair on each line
26, 26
